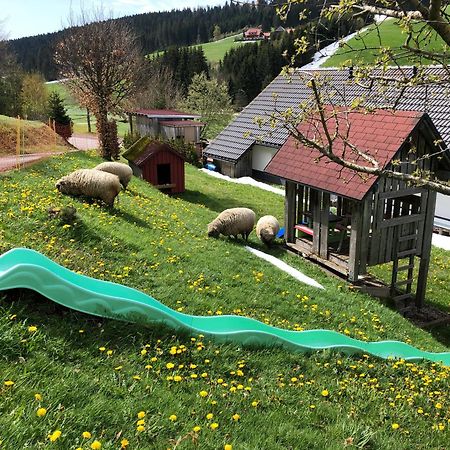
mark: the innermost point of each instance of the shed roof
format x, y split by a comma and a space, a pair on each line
181, 123
152, 149
163, 113
283, 92
379, 134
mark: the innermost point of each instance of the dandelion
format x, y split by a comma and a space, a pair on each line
214, 426
438, 405
255, 404
41, 412
141, 422
102, 349
143, 352
203, 394
8, 383
196, 429
32, 329
235, 417
86, 435
228, 447
395, 426
96, 445
124, 443
209, 416
170, 365
54, 436
109, 352
141, 414
140, 428
173, 418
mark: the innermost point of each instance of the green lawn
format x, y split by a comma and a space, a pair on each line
78, 114
95, 376
366, 49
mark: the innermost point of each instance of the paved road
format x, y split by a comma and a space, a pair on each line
84, 141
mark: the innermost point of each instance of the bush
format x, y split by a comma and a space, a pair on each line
187, 150
130, 139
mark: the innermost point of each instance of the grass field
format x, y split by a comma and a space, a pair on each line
69, 380
391, 36
78, 114
215, 51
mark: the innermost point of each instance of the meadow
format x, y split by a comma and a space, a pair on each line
72, 381
368, 47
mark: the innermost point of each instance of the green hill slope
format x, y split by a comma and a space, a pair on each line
367, 50
95, 375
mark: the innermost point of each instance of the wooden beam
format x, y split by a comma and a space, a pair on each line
355, 243
365, 232
300, 202
324, 225
426, 249
290, 205
315, 210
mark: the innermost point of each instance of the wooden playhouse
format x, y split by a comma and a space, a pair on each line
158, 163
348, 220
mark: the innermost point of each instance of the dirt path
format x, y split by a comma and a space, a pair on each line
84, 141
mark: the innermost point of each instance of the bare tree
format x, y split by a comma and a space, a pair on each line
426, 30
103, 65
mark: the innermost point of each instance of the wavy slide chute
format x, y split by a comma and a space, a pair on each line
25, 268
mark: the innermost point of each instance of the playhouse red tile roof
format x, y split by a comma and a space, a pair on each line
380, 134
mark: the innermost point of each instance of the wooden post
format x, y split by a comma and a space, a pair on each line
88, 117
355, 242
130, 120
300, 203
324, 225
315, 210
365, 233
426, 249
290, 212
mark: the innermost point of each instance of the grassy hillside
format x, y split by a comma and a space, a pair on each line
368, 50
115, 381
78, 114
36, 137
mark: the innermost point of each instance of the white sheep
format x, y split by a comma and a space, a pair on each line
232, 222
123, 171
267, 229
91, 183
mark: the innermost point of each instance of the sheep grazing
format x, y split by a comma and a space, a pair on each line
91, 183
232, 222
267, 229
123, 171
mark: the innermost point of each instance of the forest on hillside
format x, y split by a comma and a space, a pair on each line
158, 31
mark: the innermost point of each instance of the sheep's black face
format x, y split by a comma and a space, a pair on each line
60, 185
213, 231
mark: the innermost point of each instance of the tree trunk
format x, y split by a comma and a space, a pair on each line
103, 134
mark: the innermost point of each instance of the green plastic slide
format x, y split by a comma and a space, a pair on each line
24, 268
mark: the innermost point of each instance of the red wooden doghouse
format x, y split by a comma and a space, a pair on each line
161, 165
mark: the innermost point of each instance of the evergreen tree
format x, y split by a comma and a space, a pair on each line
56, 109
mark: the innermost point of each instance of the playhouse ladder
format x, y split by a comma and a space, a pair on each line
404, 261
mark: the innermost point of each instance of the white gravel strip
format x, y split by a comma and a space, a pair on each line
285, 268
245, 180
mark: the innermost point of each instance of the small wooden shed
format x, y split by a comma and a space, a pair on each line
158, 163
348, 220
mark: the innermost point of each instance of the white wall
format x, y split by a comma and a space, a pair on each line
261, 156
443, 206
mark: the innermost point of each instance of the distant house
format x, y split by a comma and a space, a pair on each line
158, 163
167, 124
244, 148
254, 34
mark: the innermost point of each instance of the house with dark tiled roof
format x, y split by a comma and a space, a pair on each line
246, 146
167, 124
349, 221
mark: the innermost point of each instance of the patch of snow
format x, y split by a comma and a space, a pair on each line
441, 241
285, 268
245, 180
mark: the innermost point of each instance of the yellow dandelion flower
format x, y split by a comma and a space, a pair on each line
255, 404
141, 414
227, 447
38, 397
196, 429
32, 328
177, 378
109, 352
214, 426
325, 393
102, 349
55, 435
173, 418
140, 422
395, 426
124, 443
209, 416
235, 417
8, 383
136, 377
140, 428
438, 405
86, 435
143, 352
41, 412
96, 445
170, 365
203, 394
